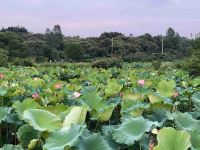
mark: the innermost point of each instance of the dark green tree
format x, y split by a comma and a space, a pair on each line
55, 37
74, 51
172, 40
193, 63
13, 43
16, 29
3, 57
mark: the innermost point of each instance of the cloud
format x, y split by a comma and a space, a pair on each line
91, 17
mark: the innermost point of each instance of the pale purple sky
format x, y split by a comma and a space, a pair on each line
92, 17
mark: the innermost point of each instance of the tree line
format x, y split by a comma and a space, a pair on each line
18, 42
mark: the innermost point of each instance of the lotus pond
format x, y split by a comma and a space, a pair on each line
84, 108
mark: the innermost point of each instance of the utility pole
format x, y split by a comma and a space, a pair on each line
112, 45
162, 46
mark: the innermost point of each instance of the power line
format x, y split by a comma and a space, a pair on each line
162, 45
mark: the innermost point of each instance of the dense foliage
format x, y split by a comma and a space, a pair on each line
83, 108
193, 63
53, 45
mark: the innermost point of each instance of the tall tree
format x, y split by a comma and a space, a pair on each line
74, 50
172, 40
16, 29
55, 37
3, 57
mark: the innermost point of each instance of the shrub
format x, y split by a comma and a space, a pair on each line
74, 51
145, 57
167, 66
22, 62
3, 57
137, 57
107, 63
156, 64
192, 64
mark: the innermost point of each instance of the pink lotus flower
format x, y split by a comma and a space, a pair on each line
58, 86
141, 82
76, 94
176, 94
2, 75
35, 96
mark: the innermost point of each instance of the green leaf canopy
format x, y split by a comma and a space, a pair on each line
11, 147
25, 134
131, 130
112, 87
196, 99
3, 113
171, 139
185, 121
166, 88
26, 104
195, 140
94, 142
42, 120
3, 92
59, 140
77, 115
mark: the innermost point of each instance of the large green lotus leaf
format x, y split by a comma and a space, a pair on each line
195, 140
134, 97
11, 147
56, 109
12, 118
196, 99
195, 114
131, 96
158, 115
77, 115
94, 142
166, 88
131, 130
3, 113
107, 134
106, 114
93, 100
171, 139
42, 120
26, 104
59, 140
145, 142
166, 106
154, 98
102, 108
25, 134
196, 82
55, 98
3, 92
141, 90
37, 82
112, 87
184, 121
133, 108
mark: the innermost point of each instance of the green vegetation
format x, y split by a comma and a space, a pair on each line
54, 46
193, 63
82, 106
106, 93
3, 57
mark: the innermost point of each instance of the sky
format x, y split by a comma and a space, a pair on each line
92, 17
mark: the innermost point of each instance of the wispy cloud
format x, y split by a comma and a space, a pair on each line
91, 17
